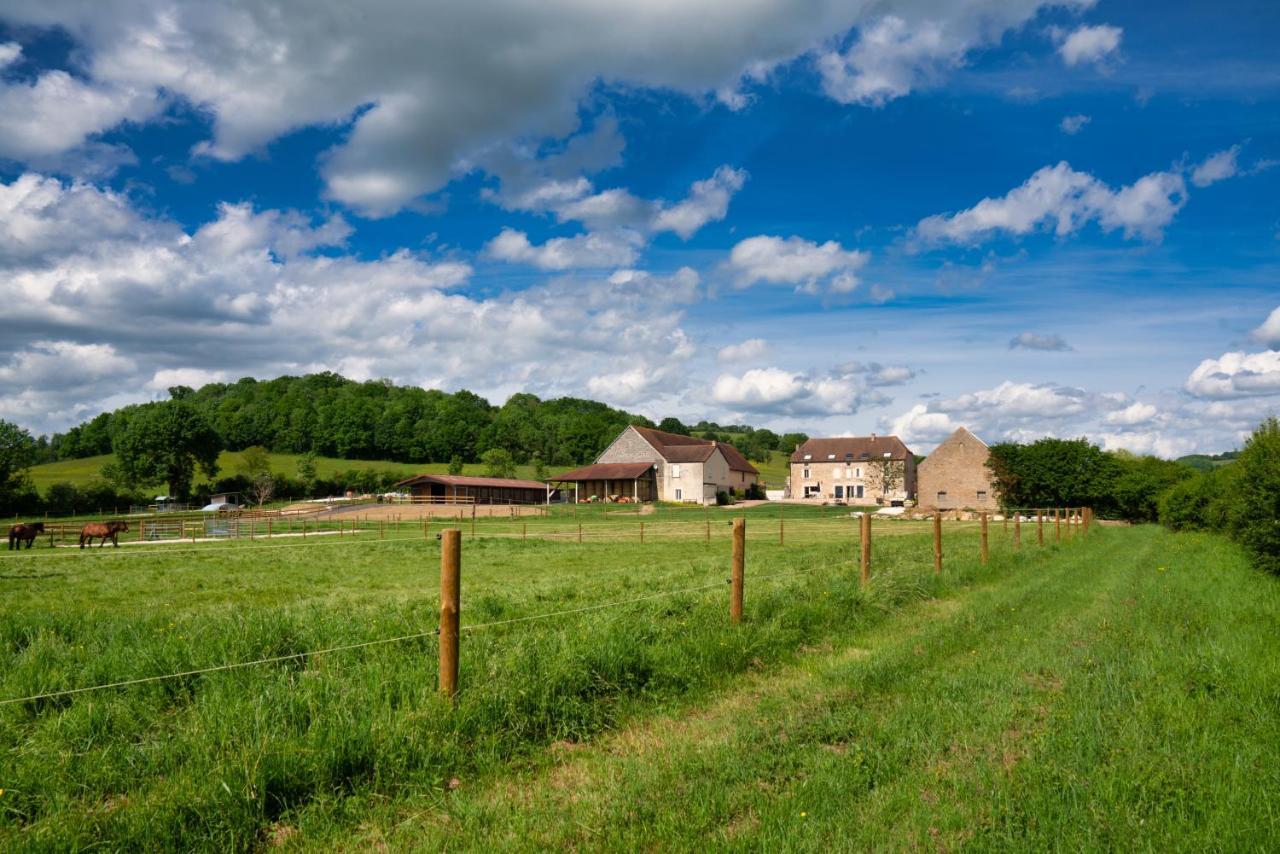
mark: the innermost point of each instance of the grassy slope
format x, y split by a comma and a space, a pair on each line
1078, 697
1121, 696
82, 471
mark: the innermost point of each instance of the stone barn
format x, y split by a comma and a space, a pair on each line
955, 476
651, 464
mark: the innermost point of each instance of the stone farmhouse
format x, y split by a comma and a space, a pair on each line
858, 469
643, 464
955, 476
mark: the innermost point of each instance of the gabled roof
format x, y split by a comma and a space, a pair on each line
962, 433
464, 480
851, 449
606, 471
675, 448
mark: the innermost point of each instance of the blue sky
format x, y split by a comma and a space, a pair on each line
1028, 218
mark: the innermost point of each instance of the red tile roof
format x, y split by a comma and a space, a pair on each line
676, 448
464, 480
606, 471
853, 448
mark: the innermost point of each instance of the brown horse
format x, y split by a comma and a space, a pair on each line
27, 531
105, 530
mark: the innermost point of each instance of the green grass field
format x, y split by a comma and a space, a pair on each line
83, 471
1113, 692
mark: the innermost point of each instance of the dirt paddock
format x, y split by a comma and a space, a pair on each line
375, 512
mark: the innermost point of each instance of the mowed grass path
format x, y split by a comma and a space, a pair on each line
1076, 696
1124, 695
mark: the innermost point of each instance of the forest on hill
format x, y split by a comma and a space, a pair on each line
331, 416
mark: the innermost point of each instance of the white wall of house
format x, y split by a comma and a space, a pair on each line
683, 482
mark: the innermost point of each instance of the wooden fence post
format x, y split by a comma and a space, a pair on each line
782, 526
1017, 531
986, 553
866, 548
642, 533
1057, 525
268, 529
937, 542
142, 530
450, 608
708, 529
1088, 517
1039, 527
579, 533
739, 562
524, 531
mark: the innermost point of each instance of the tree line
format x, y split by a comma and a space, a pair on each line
167, 443
1236, 493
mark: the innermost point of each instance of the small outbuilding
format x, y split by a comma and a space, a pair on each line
461, 489
632, 482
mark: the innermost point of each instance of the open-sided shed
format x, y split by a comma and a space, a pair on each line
633, 481
461, 489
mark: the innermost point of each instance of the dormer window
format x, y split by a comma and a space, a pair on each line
888, 454
808, 456
864, 455
848, 456
831, 456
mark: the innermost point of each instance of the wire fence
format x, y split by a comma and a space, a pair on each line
294, 656
450, 604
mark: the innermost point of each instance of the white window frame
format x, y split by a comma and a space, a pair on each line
675, 470
679, 495
806, 474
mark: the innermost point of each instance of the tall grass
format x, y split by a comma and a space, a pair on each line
212, 761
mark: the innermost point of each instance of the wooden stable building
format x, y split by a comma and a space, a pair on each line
460, 489
635, 482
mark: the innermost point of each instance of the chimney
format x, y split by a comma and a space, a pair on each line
873, 437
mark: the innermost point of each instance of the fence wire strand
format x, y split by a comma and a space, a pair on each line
276, 659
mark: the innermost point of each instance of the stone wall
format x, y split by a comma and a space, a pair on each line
955, 476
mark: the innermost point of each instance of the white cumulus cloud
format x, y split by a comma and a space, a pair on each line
1090, 44
1234, 375
909, 45
811, 267
1072, 125
1067, 200
1217, 167
745, 351
1135, 413
1268, 333
589, 250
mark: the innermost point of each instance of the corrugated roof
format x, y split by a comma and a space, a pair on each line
606, 471
676, 448
853, 448
464, 480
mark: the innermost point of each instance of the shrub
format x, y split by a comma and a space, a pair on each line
1256, 524
722, 498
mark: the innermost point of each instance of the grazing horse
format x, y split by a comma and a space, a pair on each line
27, 531
105, 530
